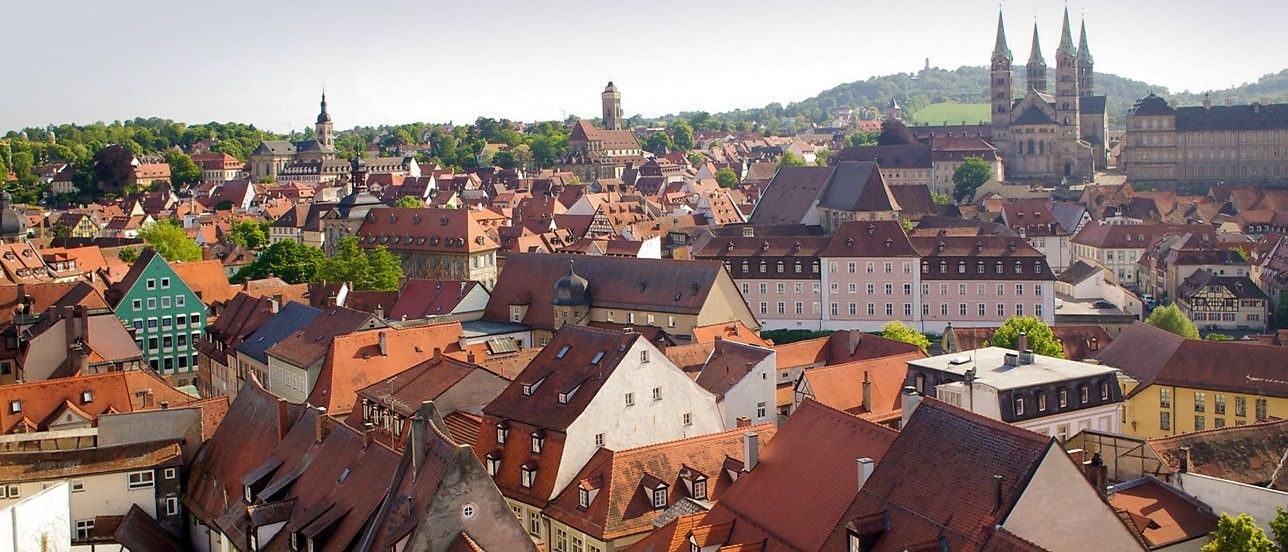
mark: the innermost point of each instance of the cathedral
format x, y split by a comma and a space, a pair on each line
1049, 135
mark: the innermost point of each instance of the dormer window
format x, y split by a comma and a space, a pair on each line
538, 441
15, 406
1084, 394
528, 475
247, 495
659, 497
493, 463
583, 498
1019, 406
502, 432
87, 396
700, 489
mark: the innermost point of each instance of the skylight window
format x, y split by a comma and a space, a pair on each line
598, 357
563, 351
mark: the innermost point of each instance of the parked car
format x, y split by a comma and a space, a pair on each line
1149, 300
1103, 304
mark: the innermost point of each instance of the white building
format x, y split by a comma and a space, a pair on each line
1051, 396
743, 379
41, 521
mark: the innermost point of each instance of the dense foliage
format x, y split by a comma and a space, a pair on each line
1238, 534
171, 241
1172, 319
1041, 340
969, 176
899, 331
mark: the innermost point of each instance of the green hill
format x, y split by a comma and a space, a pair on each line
951, 113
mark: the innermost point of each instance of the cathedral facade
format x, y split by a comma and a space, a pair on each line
1056, 133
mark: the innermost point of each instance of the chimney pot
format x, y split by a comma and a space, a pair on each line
750, 450
366, 434
866, 465
997, 492
1185, 459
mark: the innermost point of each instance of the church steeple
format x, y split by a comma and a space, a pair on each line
1036, 70
324, 130
1086, 72
1066, 38
1000, 49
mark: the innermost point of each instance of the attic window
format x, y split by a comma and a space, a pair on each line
502, 432
344, 475
15, 406
677, 296
538, 440
563, 351
87, 396
700, 488
598, 357
527, 475
583, 498
659, 497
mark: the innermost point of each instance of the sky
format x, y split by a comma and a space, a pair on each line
398, 61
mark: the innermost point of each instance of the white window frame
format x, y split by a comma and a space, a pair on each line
145, 480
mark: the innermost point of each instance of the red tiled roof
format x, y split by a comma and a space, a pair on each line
44, 465
206, 279
1135, 236
731, 331
1247, 454
421, 298
109, 392
310, 343
1155, 356
841, 386
840, 347
356, 360
421, 229
1162, 514
728, 364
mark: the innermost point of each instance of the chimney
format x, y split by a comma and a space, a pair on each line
419, 434
1185, 459
366, 434
997, 492
274, 305
1022, 344
165, 405
867, 392
865, 470
319, 425
750, 450
1207, 101
380, 312
908, 403
742, 422
283, 419
384, 344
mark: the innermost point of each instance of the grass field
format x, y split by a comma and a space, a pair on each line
952, 114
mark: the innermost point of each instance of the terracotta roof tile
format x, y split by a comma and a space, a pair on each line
732, 331
358, 359
310, 343
24, 467
1162, 514
127, 391
1247, 454
207, 279
841, 386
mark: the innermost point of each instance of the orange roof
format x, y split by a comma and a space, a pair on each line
733, 331
672, 536
1160, 513
841, 386
42, 401
356, 360
207, 280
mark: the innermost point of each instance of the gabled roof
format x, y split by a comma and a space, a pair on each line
901, 156
794, 495
404, 391
576, 362
847, 186
45, 465
944, 448
621, 507
728, 364
423, 298
286, 322
732, 331
1241, 287
1135, 236
359, 359
309, 344
841, 386
875, 238
1078, 272
127, 391
1247, 454
1157, 357
1034, 115
840, 347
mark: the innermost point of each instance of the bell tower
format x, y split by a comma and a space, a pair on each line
1066, 80
1035, 73
612, 99
324, 131
1000, 82
1086, 74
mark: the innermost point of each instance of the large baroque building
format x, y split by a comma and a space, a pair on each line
595, 153
1206, 144
272, 156
1048, 134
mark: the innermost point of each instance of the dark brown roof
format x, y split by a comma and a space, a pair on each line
423, 298
1241, 287
914, 200
662, 285
1162, 514
769, 246
1235, 117
951, 252
310, 343
1157, 357
138, 532
847, 186
1247, 454
901, 156
590, 357
876, 238
44, 465
1135, 236
405, 391
728, 364
1077, 272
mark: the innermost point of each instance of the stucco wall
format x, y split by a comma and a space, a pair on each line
1059, 510
1234, 498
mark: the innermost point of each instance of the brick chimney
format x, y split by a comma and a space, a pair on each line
867, 392
742, 422
319, 425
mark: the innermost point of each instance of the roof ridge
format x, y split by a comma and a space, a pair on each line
841, 414
1260, 424
687, 440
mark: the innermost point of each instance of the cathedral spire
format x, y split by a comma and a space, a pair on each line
1035, 55
323, 116
1066, 37
1084, 51
1000, 49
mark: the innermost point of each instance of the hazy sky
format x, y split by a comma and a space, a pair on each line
401, 60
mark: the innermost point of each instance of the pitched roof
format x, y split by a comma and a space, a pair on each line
847, 186
875, 238
940, 448
1135, 236
800, 466
359, 359
1241, 287
732, 331
1157, 357
1161, 513
622, 502
44, 465
422, 229
47, 294
422, 298
138, 531
1247, 454
728, 364
288, 320
577, 361
840, 347
1235, 117
841, 386
900, 156
126, 391
207, 279
661, 285
309, 344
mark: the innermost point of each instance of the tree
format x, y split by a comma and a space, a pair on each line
863, 139
1172, 319
22, 163
791, 160
1041, 339
349, 263
1218, 337
128, 255
726, 178
1279, 526
1281, 312
1238, 534
659, 143
696, 159
408, 202
523, 156
169, 239
183, 170
821, 156
899, 331
249, 234
503, 159
385, 270
969, 176
941, 199
895, 133
289, 260
112, 168
682, 134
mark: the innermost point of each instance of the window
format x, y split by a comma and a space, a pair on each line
1104, 391
760, 410
599, 439
165, 283
1062, 432
151, 283
537, 442
171, 505
165, 302
1042, 402
583, 498
15, 406
1064, 398
630, 399
1019, 406
140, 480
1084, 394
493, 465
1199, 423
179, 301
1200, 401
501, 433
1164, 397
1165, 421
657, 393
152, 303
527, 474
1261, 409
688, 418
171, 473
700, 489
78, 486
10, 491
1218, 403
1240, 406
84, 527
138, 304
534, 523
644, 356
659, 497
1218, 423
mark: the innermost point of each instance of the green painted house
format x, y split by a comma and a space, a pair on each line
165, 316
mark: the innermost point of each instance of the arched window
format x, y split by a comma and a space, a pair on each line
1031, 148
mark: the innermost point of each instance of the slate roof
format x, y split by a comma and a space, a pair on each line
1091, 105
288, 320
900, 156
1157, 357
876, 238
1235, 117
1034, 115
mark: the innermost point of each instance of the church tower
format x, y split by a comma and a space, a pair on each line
1086, 74
325, 132
612, 107
1000, 81
1036, 70
1066, 80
